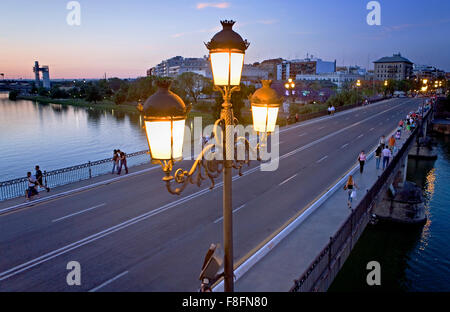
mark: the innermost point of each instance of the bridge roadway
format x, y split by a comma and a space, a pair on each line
132, 235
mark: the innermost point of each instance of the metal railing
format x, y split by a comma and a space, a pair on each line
16, 187
322, 264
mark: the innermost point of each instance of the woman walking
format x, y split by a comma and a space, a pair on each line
115, 161
362, 160
123, 162
350, 186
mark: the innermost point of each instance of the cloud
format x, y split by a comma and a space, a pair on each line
217, 5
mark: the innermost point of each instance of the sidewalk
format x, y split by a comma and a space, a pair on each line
74, 187
288, 260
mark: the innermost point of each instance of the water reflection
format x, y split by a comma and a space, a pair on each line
56, 136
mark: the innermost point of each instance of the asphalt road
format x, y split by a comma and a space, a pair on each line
132, 235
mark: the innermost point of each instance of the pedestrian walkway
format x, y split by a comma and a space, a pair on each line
293, 255
74, 187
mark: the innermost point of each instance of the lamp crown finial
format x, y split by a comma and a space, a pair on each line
227, 23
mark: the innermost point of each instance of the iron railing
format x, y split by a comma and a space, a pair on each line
16, 187
321, 265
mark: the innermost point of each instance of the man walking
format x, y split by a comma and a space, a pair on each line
386, 152
39, 181
378, 156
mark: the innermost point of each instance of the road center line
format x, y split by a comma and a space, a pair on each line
345, 145
371, 129
321, 128
287, 180
76, 213
303, 134
360, 136
235, 210
322, 159
108, 281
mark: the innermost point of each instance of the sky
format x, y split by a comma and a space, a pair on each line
125, 38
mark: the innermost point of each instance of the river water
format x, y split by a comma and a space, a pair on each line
411, 259
55, 136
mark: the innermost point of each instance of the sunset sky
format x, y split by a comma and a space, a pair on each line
125, 38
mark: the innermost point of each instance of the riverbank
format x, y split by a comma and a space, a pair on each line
105, 104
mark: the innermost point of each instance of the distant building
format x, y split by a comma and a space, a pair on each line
177, 65
270, 66
394, 67
45, 75
307, 66
253, 74
338, 78
427, 71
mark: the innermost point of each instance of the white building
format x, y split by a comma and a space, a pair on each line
177, 65
338, 78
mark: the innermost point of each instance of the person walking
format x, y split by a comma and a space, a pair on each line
362, 160
378, 156
123, 162
39, 181
392, 143
32, 183
115, 161
386, 152
350, 187
383, 141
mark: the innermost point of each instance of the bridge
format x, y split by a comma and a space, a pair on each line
129, 234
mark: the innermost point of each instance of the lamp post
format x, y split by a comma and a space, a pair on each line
289, 86
358, 85
165, 115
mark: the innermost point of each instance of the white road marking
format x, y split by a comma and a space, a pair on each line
322, 159
371, 129
321, 128
303, 134
235, 210
76, 213
345, 145
360, 136
63, 250
108, 281
287, 180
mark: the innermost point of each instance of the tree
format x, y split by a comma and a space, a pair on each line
119, 97
57, 93
13, 95
93, 93
189, 86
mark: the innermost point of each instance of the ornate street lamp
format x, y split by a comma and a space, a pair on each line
290, 86
165, 115
164, 119
265, 104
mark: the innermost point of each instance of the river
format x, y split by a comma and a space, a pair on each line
55, 136
411, 258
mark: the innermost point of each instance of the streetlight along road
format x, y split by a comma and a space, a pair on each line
165, 116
